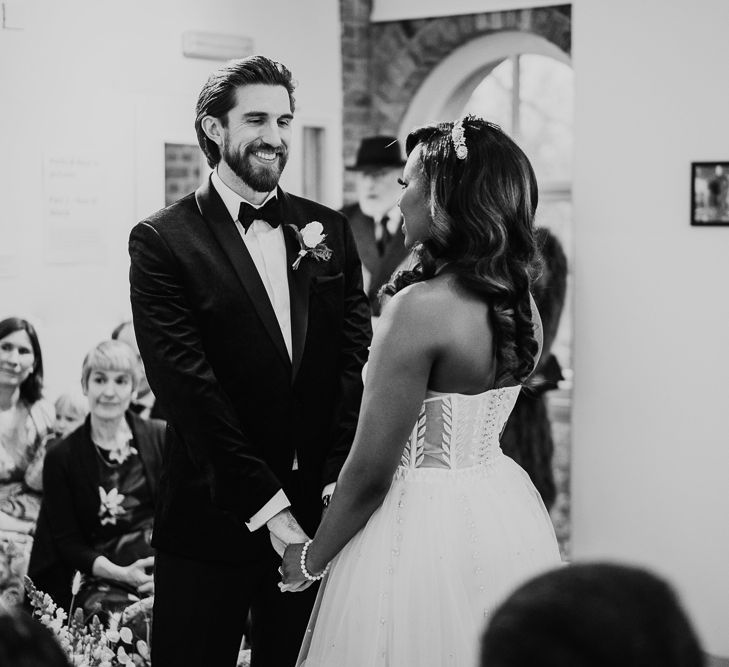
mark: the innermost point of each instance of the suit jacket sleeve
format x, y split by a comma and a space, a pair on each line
354, 349
67, 533
183, 380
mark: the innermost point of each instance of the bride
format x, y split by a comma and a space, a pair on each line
430, 525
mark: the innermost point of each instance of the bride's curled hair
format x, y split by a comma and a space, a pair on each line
482, 209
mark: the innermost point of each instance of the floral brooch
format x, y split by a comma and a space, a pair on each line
311, 242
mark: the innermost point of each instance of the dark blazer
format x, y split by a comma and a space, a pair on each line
238, 407
69, 514
380, 267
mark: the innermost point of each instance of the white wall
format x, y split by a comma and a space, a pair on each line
651, 417
107, 82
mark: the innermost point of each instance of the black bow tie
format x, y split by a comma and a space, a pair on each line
270, 212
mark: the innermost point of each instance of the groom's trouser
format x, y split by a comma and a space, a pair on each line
200, 610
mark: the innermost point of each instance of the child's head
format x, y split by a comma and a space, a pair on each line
71, 410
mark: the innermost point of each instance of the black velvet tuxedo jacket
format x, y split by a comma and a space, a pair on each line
69, 522
380, 267
238, 407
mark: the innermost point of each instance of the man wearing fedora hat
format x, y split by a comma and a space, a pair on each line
375, 219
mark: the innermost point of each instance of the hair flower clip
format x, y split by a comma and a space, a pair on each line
458, 136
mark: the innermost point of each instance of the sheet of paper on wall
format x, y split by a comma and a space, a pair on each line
73, 195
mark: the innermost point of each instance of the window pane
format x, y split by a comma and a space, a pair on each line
313, 156
492, 98
546, 116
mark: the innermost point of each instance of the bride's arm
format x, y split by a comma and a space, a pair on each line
403, 349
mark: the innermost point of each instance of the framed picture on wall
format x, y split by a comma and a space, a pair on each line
710, 193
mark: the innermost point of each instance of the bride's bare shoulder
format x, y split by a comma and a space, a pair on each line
429, 304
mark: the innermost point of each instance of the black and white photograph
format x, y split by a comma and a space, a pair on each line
364, 333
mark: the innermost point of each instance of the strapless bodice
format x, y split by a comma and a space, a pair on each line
456, 431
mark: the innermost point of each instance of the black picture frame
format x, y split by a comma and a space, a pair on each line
710, 194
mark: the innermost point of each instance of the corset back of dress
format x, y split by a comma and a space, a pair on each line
456, 431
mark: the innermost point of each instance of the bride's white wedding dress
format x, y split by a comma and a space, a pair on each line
460, 527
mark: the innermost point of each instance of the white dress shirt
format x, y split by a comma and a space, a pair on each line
267, 248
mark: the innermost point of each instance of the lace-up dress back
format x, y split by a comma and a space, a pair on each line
460, 527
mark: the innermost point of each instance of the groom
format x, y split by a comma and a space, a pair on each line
257, 366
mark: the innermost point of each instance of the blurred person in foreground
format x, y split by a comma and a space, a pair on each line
25, 642
375, 218
592, 615
100, 485
26, 419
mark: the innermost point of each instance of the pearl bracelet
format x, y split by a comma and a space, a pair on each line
304, 571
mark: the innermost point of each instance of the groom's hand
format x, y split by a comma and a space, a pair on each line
278, 546
285, 529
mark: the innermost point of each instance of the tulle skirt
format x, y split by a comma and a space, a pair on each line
415, 587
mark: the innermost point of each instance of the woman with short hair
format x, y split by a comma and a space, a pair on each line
100, 484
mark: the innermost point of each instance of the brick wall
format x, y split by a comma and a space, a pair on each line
384, 64
183, 170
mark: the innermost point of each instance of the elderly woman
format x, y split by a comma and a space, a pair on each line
100, 484
25, 421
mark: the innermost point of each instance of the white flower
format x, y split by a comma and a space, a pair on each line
143, 649
76, 583
123, 657
126, 635
112, 636
312, 234
111, 505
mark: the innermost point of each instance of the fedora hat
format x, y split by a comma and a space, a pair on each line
377, 152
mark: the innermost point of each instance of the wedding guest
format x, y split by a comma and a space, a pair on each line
143, 403
431, 524
375, 218
100, 485
592, 615
25, 421
527, 437
71, 410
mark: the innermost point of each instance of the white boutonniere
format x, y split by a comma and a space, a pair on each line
311, 240
111, 506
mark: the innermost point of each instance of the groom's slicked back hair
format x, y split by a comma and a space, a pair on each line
218, 95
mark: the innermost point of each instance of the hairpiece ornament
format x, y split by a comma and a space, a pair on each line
458, 135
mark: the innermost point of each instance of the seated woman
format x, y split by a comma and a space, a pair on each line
100, 484
25, 421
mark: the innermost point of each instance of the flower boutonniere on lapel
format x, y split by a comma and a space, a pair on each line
311, 240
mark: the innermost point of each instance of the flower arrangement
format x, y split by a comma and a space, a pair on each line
311, 242
93, 645
88, 645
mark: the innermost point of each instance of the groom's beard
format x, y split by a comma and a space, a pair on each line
259, 177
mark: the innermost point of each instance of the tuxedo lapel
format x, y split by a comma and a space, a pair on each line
223, 227
299, 280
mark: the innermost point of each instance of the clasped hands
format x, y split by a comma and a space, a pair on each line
292, 578
287, 539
